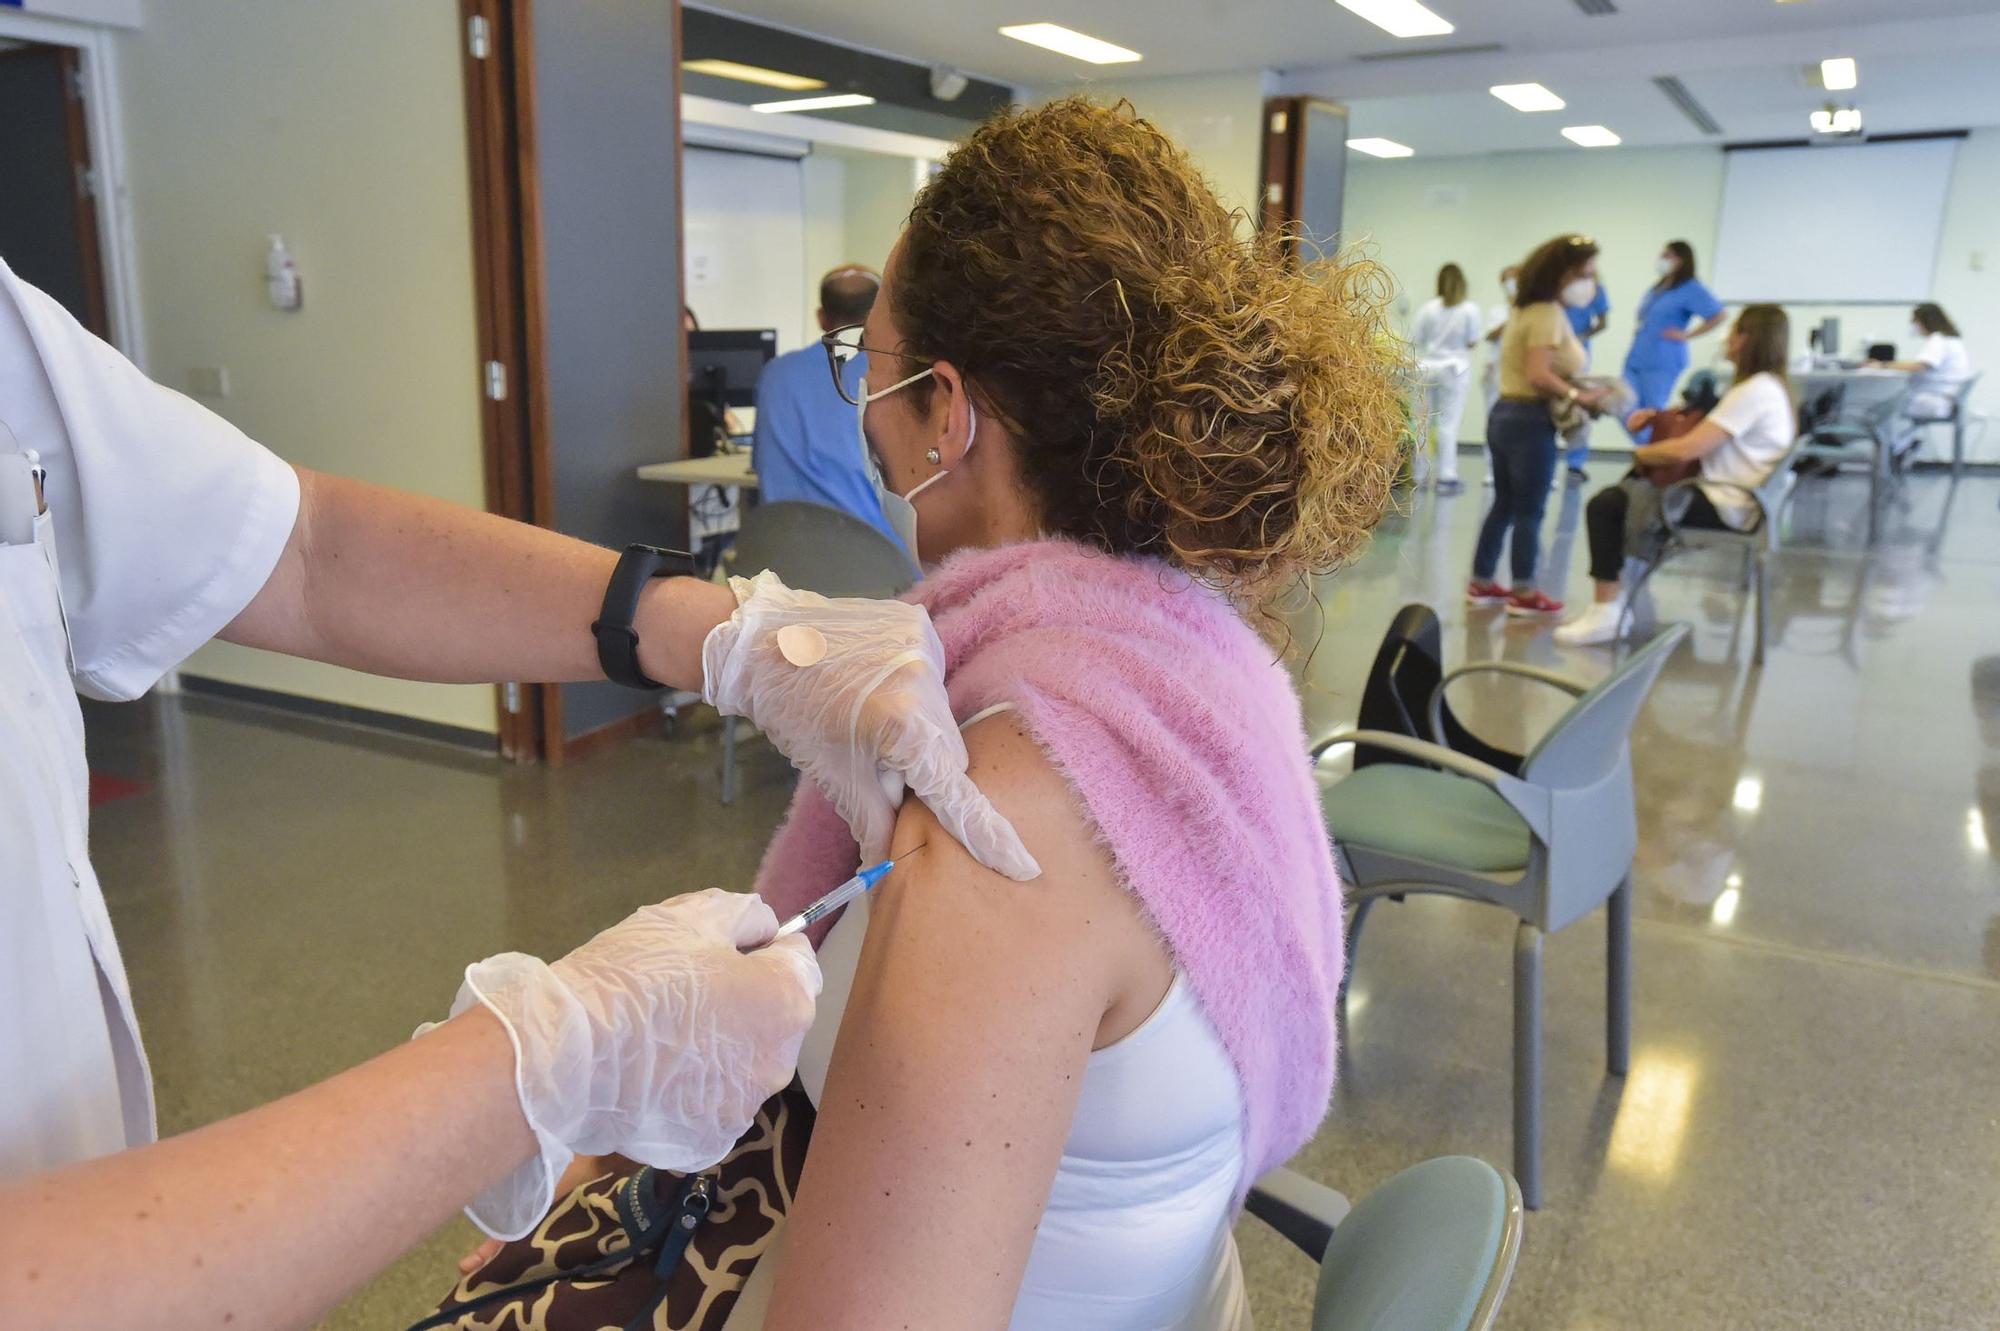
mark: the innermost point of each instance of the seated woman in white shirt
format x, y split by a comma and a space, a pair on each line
1937, 371
1738, 445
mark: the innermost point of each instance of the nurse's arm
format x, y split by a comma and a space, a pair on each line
404, 585
1713, 322
268, 1219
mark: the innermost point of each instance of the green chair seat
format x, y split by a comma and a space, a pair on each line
1430, 1250
1422, 814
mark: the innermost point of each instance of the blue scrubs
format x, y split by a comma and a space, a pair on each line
1656, 362
1580, 321
807, 444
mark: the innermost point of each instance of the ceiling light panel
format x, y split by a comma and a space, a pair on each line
757, 74
1591, 136
1067, 41
1381, 147
1839, 74
831, 103
1398, 18
1527, 97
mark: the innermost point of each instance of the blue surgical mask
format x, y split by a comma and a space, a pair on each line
900, 510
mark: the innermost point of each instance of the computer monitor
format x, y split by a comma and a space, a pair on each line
1826, 338
723, 364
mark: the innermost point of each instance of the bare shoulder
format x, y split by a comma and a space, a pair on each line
1077, 920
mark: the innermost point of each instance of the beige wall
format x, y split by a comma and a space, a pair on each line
341, 126
1484, 212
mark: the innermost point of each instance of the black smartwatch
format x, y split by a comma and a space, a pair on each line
617, 640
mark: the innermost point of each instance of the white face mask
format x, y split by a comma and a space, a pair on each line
1917, 332
899, 510
1664, 265
1580, 292
1510, 286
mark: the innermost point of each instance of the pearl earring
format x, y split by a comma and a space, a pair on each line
933, 457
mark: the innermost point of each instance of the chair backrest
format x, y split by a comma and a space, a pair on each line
1432, 1249
1397, 697
1587, 743
819, 549
1585, 764
1961, 393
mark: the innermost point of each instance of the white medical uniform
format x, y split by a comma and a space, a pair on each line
163, 522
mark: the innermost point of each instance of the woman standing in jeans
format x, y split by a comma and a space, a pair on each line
1539, 358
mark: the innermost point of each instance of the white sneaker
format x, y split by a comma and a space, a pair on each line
1599, 624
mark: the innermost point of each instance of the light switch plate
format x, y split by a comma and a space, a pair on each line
208, 381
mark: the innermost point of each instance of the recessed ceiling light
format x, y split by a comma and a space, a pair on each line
1381, 147
1527, 97
1067, 41
1591, 136
1398, 18
1839, 74
830, 103
768, 78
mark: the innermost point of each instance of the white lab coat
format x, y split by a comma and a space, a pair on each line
163, 522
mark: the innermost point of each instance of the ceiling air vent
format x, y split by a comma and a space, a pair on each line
1678, 94
1430, 52
1597, 8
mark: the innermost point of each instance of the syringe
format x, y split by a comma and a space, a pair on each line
835, 899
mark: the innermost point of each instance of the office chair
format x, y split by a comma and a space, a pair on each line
1757, 543
1551, 845
815, 549
1433, 1249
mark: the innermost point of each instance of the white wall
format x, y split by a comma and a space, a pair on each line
745, 244
1485, 212
343, 127
1218, 118
879, 191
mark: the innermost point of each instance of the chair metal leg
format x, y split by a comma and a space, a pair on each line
1618, 979
728, 760
1761, 588
1361, 909
1528, 1063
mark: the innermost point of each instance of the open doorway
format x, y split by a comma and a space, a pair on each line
48, 230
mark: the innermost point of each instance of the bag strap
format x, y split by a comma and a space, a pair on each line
671, 1230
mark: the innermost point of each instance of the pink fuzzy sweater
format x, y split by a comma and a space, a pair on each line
1184, 740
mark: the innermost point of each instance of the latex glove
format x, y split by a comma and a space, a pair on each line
657, 1039
865, 719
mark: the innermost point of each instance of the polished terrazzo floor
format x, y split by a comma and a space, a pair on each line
1810, 1133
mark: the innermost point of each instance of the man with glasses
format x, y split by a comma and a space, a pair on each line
807, 444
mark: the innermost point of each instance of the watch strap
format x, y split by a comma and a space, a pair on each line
617, 640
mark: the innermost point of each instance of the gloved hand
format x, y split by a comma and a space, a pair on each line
852, 691
656, 1039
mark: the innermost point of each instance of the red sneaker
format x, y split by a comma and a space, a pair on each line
1485, 594
1531, 602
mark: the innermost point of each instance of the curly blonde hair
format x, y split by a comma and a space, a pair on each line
1177, 389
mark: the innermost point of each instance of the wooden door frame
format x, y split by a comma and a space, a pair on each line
85, 180
508, 248
499, 82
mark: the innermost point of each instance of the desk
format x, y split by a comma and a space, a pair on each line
1861, 391
722, 469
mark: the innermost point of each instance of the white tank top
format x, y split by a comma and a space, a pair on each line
1136, 1234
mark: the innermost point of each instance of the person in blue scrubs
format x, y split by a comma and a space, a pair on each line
1659, 354
806, 444
1588, 322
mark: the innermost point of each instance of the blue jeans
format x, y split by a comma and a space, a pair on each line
1521, 450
